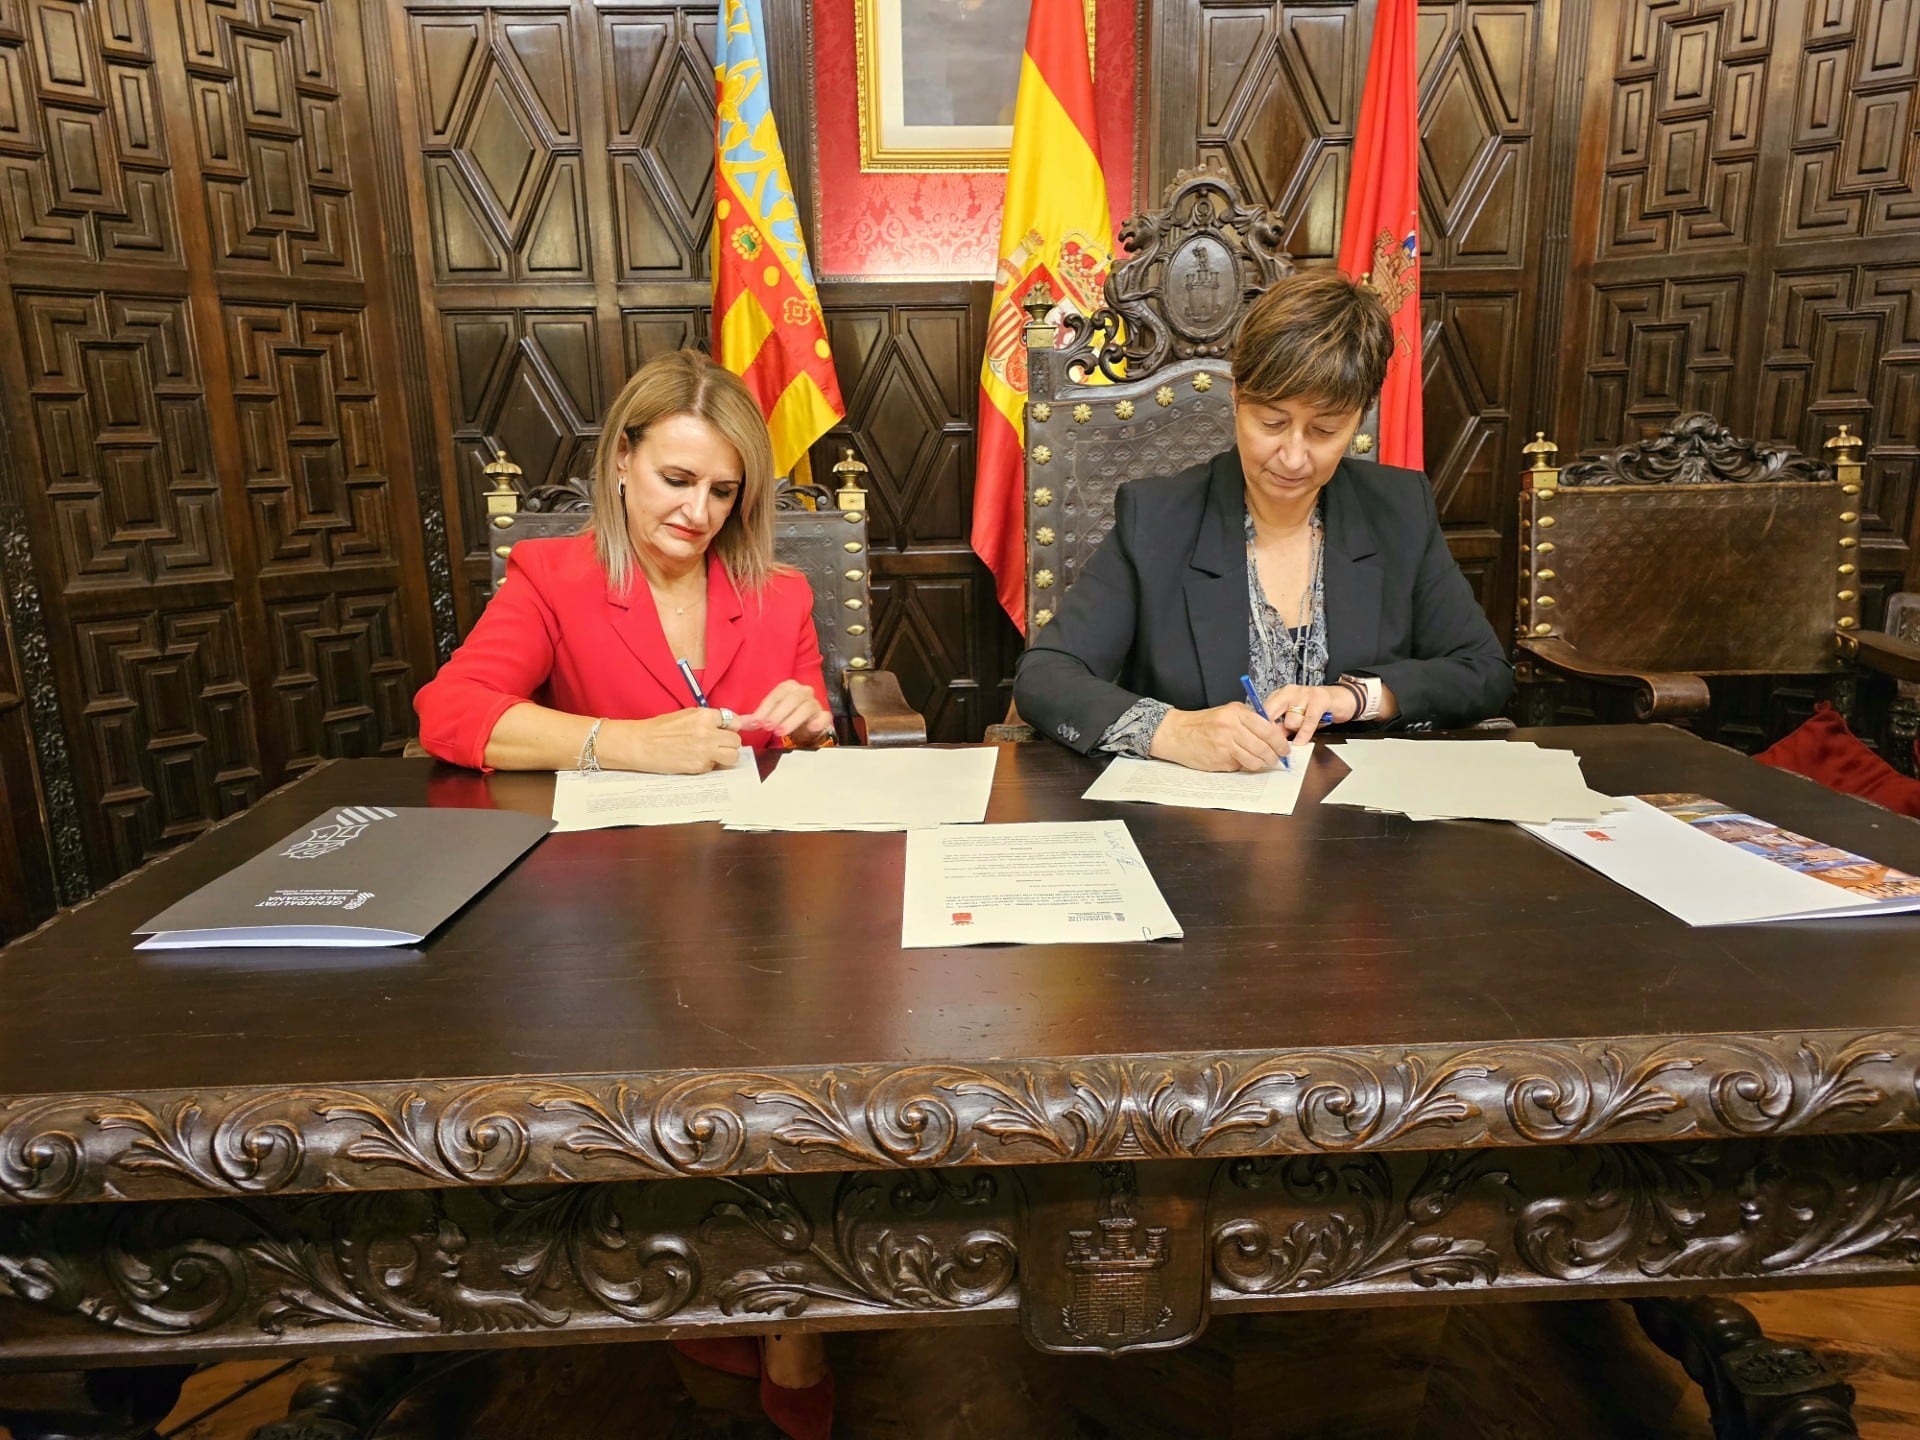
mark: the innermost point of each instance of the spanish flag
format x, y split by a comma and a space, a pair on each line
1380, 237
1056, 228
766, 311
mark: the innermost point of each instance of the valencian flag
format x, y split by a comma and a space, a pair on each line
767, 313
1056, 228
1381, 236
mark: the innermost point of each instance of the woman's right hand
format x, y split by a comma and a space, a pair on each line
685, 742
1227, 737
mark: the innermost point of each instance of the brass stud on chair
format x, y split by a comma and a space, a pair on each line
1203, 382
1844, 596
1846, 622
1124, 409
852, 547
503, 551
1546, 574
1849, 489
1362, 445
1041, 617
856, 604
1847, 542
1545, 547
1543, 629
1546, 521
1546, 602
1847, 517
1042, 454
856, 574
856, 629
1043, 536
1846, 569
1043, 496
1042, 411
1163, 396
857, 662
1043, 579
1082, 414
503, 522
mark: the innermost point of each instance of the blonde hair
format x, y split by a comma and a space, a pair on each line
685, 382
1315, 336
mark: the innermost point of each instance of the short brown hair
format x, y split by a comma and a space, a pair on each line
685, 382
1315, 336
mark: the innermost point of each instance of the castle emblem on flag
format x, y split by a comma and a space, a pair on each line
1394, 277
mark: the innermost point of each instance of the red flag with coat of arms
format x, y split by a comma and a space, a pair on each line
1380, 238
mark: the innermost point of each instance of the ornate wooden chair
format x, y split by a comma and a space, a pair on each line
1693, 554
1144, 385
822, 535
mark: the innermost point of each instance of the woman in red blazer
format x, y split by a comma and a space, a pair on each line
575, 663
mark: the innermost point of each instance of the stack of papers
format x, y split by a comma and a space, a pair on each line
1713, 865
1512, 780
1160, 782
860, 789
602, 799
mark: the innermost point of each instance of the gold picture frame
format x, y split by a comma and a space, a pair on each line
968, 55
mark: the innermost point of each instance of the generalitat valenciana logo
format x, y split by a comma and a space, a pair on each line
348, 824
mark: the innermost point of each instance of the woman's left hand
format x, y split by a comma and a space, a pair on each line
790, 709
1302, 709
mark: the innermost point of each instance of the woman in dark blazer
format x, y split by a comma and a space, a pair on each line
576, 661
1324, 577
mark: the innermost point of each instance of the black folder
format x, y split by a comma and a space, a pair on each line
355, 875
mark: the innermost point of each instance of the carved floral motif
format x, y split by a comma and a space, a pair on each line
1695, 449
528, 1131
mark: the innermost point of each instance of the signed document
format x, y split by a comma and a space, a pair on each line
1029, 884
602, 799
1160, 782
854, 788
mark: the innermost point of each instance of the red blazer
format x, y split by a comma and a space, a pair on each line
556, 634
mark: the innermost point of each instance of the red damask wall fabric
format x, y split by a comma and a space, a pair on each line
938, 223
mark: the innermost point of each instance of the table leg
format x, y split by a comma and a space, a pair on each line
1757, 1389
122, 1404
357, 1394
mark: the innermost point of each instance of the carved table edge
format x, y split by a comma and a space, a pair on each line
294, 1139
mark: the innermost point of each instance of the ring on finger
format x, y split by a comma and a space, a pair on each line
1296, 709
727, 717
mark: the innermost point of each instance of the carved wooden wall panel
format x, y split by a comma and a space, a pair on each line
908, 359
1748, 237
1275, 105
208, 444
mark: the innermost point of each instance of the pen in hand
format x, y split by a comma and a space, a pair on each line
1253, 699
699, 695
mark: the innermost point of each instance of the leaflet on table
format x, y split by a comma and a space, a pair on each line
602, 799
1712, 865
355, 875
1032, 883
1467, 780
855, 788
1159, 782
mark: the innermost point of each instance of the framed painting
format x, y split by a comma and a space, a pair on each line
938, 80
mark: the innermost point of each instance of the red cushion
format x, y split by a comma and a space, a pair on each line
1824, 749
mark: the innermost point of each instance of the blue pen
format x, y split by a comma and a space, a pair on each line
1253, 699
699, 695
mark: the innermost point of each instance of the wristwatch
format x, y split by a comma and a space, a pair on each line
1370, 688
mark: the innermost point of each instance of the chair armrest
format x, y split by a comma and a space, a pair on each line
1010, 731
1877, 650
1658, 694
881, 715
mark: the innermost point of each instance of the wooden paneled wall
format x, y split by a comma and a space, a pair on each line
273, 271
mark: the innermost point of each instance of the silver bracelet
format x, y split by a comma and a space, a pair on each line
589, 760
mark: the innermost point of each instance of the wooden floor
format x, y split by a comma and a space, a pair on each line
1575, 1371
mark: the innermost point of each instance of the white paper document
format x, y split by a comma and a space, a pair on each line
1038, 883
1712, 865
1160, 782
603, 799
1467, 780
854, 788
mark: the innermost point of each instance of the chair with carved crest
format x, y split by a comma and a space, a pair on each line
1694, 554
819, 533
1143, 386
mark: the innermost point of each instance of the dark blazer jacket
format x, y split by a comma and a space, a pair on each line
557, 634
1161, 609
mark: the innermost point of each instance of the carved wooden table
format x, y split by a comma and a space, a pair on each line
658, 1082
